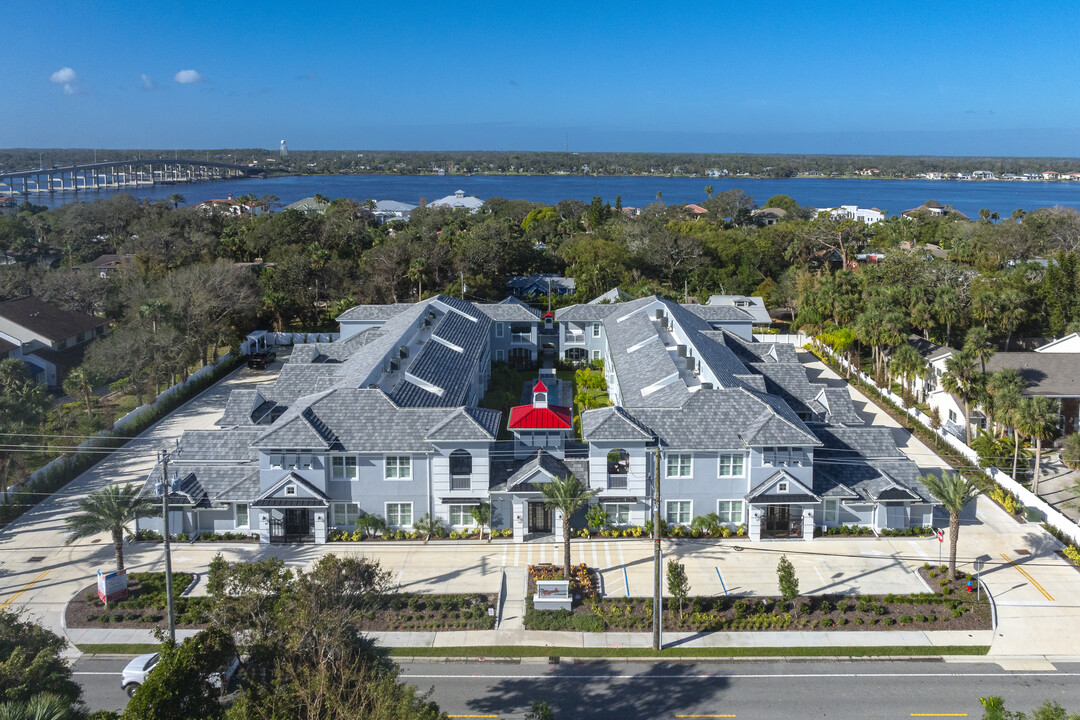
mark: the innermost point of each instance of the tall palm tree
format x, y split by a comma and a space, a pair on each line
1003, 390
962, 379
1013, 312
80, 382
978, 344
567, 495
43, 706
110, 510
708, 191
154, 309
1037, 418
907, 364
947, 309
954, 493
176, 199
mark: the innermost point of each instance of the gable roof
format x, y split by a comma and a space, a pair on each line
612, 423
467, 423
543, 463
509, 309
797, 492
41, 318
1047, 374
270, 497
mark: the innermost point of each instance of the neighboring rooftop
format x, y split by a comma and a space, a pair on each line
43, 319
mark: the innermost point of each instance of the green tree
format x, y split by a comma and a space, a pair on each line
44, 706
708, 192
907, 364
787, 581
481, 514
178, 687
110, 509
80, 383
31, 662
175, 199
954, 493
23, 403
567, 495
962, 379
677, 583
1037, 418
783, 202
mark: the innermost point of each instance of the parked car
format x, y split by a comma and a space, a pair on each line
259, 361
134, 675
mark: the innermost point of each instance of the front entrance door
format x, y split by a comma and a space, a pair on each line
778, 522
539, 518
297, 523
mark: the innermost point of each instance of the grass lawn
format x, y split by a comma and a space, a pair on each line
117, 648
519, 651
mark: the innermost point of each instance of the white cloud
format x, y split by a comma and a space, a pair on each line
148, 82
186, 77
65, 76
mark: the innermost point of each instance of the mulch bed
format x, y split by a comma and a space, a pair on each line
144, 607
420, 612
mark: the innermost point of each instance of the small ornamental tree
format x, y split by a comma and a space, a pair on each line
482, 515
788, 581
539, 710
677, 583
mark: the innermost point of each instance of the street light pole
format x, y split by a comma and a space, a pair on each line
657, 587
166, 488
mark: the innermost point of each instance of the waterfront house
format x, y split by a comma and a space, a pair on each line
459, 200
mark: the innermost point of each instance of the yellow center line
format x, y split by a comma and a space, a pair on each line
1032, 580
23, 589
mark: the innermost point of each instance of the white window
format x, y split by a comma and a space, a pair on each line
782, 487
500, 330
730, 511
399, 514
678, 512
731, 465
618, 513
595, 354
461, 515
398, 467
596, 330
952, 416
345, 514
831, 507
290, 490
679, 465
344, 468
241, 515
500, 355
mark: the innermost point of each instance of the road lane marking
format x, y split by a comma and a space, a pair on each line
820, 576
707, 676
626, 581
506, 548
23, 589
721, 580
618, 546
1032, 580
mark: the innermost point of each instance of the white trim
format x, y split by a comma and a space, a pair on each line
290, 490
667, 465
691, 512
825, 510
466, 509
614, 516
783, 487
742, 511
386, 513
386, 467
500, 329
236, 515
720, 465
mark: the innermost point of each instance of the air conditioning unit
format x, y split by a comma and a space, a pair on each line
706, 386
395, 364
691, 364
427, 322
404, 351
681, 351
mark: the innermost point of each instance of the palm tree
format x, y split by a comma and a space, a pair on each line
947, 309
708, 191
1003, 389
176, 199
907, 364
659, 194
80, 382
567, 495
962, 380
153, 309
110, 510
43, 706
1013, 312
978, 344
1037, 418
954, 493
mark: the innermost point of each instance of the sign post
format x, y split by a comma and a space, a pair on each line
552, 595
978, 571
112, 586
941, 541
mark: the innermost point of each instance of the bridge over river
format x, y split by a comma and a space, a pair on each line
120, 174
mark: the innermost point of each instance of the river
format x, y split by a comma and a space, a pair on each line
892, 196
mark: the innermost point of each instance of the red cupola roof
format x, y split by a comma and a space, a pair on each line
529, 417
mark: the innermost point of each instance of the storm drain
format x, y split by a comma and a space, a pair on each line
1022, 552
36, 558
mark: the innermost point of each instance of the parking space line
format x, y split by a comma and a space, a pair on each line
626, 581
607, 555
618, 546
528, 555
721, 580
517, 551
506, 548
919, 549
1032, 580
594, 563
820, 576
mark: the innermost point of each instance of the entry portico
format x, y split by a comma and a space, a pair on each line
782, 506
521, 492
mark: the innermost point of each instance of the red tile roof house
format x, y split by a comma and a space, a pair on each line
49, 340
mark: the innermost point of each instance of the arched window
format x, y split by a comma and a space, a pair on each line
618, 467
460, 470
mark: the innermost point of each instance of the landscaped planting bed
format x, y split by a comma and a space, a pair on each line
144, 607
415, 611
950, 607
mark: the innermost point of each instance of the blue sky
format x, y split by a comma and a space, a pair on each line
955, 78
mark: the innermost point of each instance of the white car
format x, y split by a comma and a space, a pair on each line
136, 671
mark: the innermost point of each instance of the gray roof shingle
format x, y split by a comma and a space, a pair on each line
1048, 374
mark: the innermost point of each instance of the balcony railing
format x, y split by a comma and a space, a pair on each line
616, 482
460, 482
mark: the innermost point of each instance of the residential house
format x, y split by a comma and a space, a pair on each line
753, 305
541, 284
933, 208
768, 216
387, 210
982, 175
854, 212
1053, 373
308, 205
230, 206
613, 295
49, 340
104, 265
459, 200
386, 420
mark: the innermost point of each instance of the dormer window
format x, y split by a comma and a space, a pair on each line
782, 487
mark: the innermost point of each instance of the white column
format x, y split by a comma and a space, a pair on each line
754, 528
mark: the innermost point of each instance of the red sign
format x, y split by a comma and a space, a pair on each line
112, 586
940, 535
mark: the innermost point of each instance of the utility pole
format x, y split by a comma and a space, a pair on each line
549, 294
166, 488
658, 599
462, 274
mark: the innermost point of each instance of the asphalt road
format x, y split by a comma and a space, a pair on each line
859, 690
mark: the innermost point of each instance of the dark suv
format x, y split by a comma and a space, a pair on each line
259, 361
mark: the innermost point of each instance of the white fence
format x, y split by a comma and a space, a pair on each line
265, 338
1029, 499
786, 338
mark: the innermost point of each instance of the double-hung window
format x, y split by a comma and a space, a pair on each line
461, 515
831, 507
730, 511
678, 512
343, 467
399, 514
345, 514
398, 467
596, 330
731, 465
618, 513
241, 515
500, 330
679, 465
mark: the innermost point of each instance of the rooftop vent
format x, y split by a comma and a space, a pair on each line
706, 386
404, 351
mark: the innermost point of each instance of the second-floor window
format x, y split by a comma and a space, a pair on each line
500, 330
679, 465
596, 330
398, 467
520, 333
344, 468
731, 465
460, 470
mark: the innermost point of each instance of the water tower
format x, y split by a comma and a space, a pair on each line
284, 149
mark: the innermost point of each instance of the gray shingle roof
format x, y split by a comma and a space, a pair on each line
866, 442
840, 410
232, 444
467, 423
723, 313
238, 408
612, 423
372, 312
587, 313
509, 309
1049, 374
512, 476
50, 322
